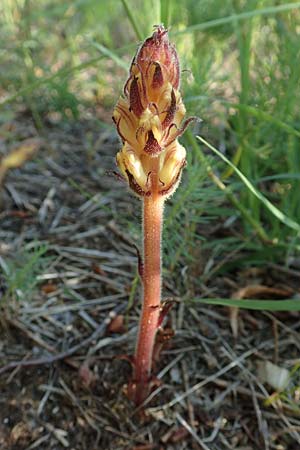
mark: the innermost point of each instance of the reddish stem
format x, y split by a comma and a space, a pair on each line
152, 229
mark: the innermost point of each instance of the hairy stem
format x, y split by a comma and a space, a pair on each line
152, 229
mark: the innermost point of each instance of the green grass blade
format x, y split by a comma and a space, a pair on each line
132, 20
253, 111
230, 196
242, 16
165, 12
59, 74
65, 72
110, 54
275, 211
260, 305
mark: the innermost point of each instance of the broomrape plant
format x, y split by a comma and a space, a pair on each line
149, 119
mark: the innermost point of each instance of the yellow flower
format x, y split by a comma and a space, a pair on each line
148, 119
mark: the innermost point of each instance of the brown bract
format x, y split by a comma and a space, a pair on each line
149, 119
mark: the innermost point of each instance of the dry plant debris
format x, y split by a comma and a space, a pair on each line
62, 377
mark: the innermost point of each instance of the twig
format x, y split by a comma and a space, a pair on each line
34, 337
196, 438
66, 354
209, 379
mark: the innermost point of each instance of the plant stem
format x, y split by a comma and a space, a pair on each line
152, 230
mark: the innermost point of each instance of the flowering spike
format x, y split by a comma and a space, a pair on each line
149, 120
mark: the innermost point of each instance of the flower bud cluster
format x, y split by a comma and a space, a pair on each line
149, 119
